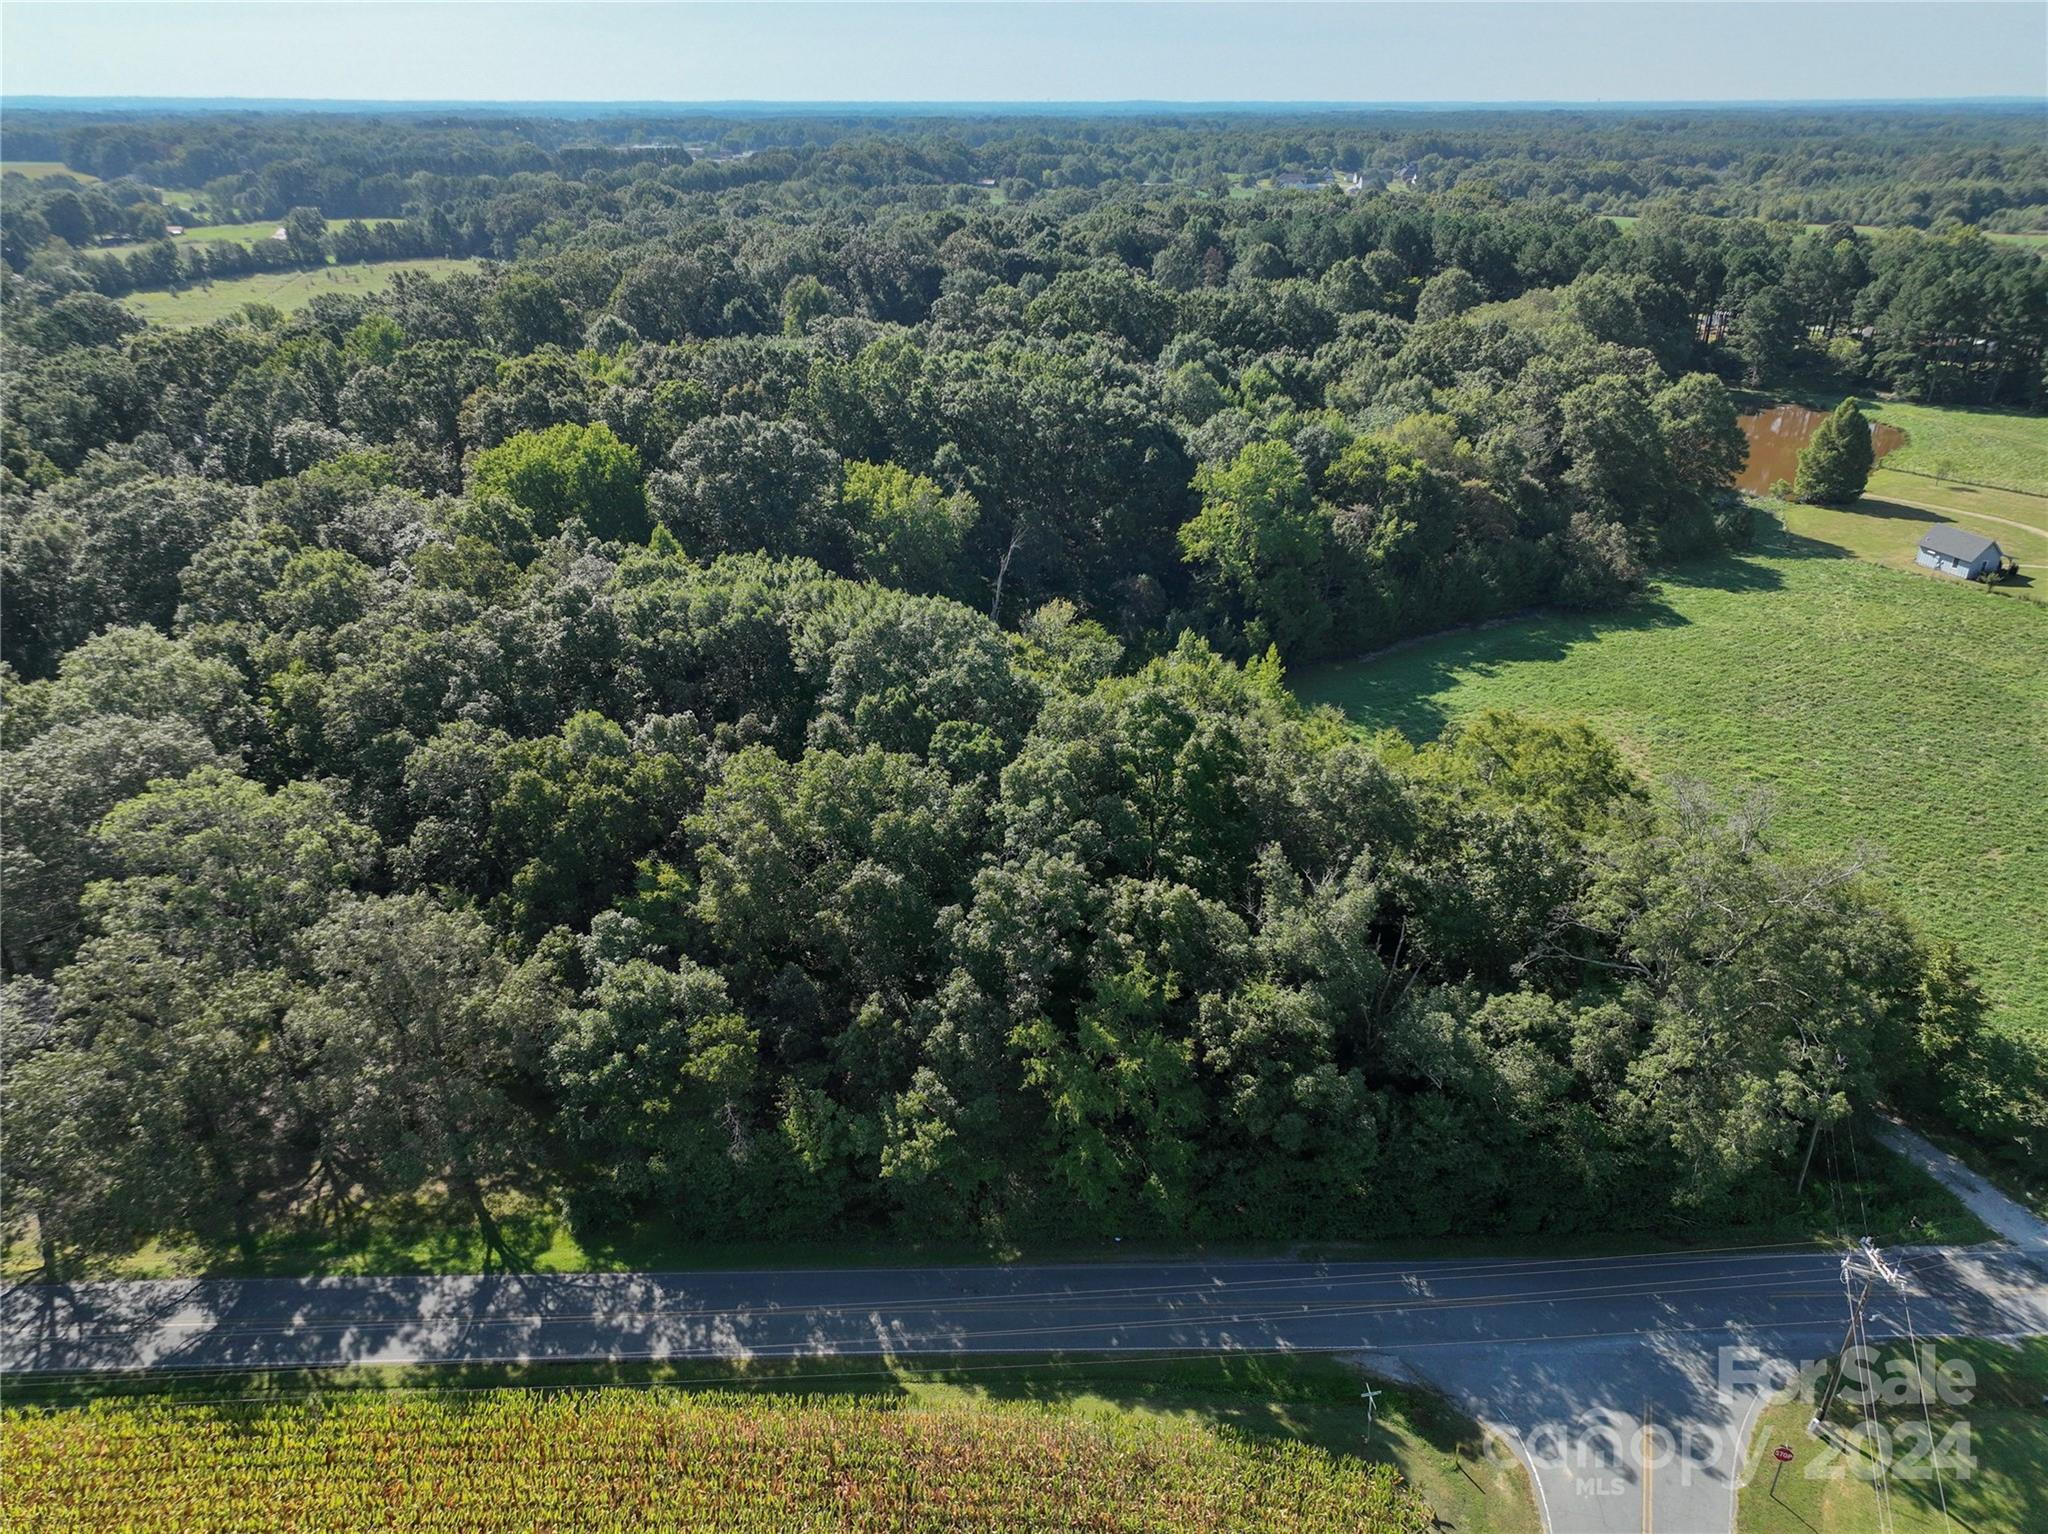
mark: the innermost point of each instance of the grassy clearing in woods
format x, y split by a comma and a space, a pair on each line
285, 290
43, 170
1902, 714
1886, 526
240, 234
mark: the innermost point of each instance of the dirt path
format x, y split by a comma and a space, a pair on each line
1950, 513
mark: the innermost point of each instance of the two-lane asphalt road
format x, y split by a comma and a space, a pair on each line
1581, 1363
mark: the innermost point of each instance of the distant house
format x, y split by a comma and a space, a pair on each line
174, 230
279, 234
1953, 551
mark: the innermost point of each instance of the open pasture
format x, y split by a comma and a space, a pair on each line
201, 305
1895, 713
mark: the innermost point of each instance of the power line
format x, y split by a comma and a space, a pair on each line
1887, 1511
1926, 1416
1229, 1303
1326, 1274
1867, 1264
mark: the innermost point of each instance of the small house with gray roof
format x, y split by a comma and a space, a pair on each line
1956, 551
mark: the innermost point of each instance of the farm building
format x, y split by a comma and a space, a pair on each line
1954, 551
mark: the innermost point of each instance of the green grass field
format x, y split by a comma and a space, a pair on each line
286, 290
261, 229
202, 234
1837, 1486
38, 170
1885, 527
217, 234
1895, 712
1983, 447
1152, 1443
1986, 470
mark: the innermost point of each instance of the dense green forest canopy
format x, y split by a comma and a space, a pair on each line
1908, 165
762, 707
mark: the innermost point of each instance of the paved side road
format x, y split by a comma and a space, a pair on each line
2010, 1218
1582, 1364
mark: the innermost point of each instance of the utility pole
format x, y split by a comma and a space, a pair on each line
1807, 1165
1868, 1264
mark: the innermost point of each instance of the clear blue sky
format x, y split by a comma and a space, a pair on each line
1652, 50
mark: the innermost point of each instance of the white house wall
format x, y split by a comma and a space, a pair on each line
1954, 566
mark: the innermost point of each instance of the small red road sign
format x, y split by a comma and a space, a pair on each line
1783, 1455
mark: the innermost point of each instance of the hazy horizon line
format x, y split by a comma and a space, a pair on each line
50, 101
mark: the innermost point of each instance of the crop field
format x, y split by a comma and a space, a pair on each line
286, 290
1875, 1474
612, 1459
1889, 712
1064, 1449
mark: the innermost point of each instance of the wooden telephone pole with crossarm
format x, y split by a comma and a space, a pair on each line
1869, 1265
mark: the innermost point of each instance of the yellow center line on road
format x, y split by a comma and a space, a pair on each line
1649, 1472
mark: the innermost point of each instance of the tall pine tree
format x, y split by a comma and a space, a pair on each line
1835, 466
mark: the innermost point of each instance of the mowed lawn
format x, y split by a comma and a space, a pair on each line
1885, 710
288, 291
1885, 527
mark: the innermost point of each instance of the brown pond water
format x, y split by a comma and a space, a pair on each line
1776, 436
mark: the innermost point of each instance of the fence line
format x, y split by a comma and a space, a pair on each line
1952, 479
